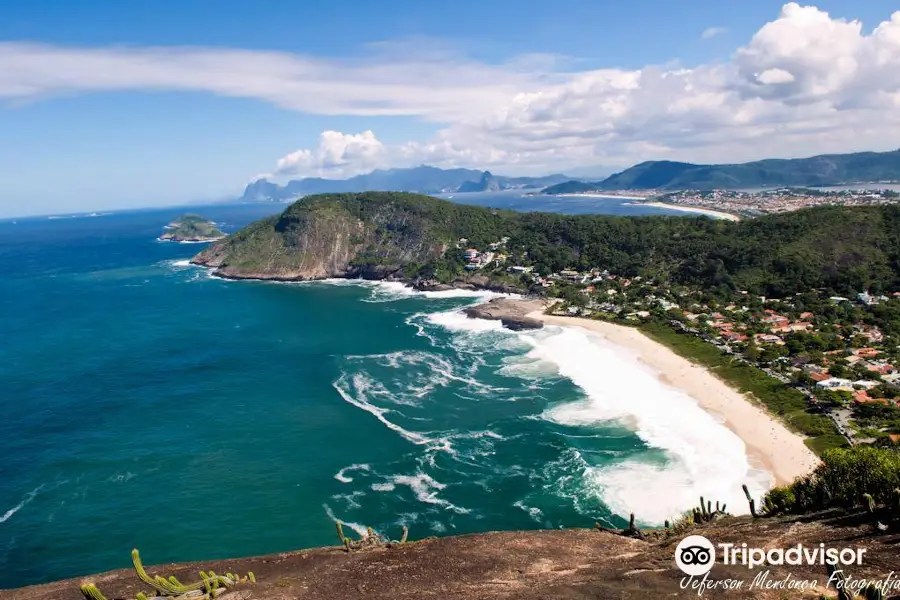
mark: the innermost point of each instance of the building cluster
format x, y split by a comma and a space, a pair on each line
867, 364
753, 203
477, 259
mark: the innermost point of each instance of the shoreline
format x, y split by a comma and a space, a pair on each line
598, 195
694, 209
770, 445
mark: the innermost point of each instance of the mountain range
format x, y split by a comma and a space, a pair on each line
422, 179
823, 170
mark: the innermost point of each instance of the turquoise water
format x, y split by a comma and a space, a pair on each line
147, 404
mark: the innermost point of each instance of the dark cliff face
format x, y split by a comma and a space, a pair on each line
322, 237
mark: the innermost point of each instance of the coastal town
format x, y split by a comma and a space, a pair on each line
770, 201
841, 353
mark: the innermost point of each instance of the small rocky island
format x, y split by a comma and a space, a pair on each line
513, 314
191, 228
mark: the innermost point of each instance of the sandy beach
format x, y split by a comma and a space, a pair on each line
770, 445
607, 196
695, 209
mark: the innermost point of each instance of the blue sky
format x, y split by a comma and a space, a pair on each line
122, 104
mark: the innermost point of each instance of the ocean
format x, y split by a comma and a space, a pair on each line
148, 404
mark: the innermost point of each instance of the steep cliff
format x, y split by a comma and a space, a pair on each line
371, 235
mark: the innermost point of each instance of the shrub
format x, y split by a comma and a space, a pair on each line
779, 500
841, 480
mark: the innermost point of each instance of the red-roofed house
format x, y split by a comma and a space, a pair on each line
734, 336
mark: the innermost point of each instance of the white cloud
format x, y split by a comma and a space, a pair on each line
805, 83
774, 77
409, 78
337, 155
711, 32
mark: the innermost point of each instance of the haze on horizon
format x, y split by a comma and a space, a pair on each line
107, 105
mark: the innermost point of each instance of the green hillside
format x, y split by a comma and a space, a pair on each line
829, 169
380, 234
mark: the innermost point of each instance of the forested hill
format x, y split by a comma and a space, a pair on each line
828, 169
389, 234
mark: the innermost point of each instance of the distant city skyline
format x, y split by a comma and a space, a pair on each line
107, 105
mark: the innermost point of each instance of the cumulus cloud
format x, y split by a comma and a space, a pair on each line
804, 83
337, 155
711, 32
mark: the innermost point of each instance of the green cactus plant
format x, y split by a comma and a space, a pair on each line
839, 583
251, 577
91, 592
340, 531
870, 503
750, 500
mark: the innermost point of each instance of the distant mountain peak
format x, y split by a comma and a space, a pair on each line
424, 179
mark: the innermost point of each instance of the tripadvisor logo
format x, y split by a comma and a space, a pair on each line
695, 555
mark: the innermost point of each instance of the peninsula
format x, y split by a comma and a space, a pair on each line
191, 229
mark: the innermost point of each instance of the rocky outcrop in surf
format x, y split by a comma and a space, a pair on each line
513, 314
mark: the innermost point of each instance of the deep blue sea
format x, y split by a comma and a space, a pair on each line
147, 404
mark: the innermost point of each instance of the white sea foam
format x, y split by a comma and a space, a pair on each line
361, 530
383, 487
426, 490
360, 385
28, 498
183, 264
703, 456
454, 320
350, 499
342, 474
533, 512
695, 453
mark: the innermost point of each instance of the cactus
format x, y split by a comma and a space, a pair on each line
703, 510
840, 583
750, 500
251, 577
210, 583
340, 532
873, 592
91, 592
870, 503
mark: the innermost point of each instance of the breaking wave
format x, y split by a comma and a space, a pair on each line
689, 452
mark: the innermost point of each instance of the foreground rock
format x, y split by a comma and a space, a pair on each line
512, 313
530, 565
